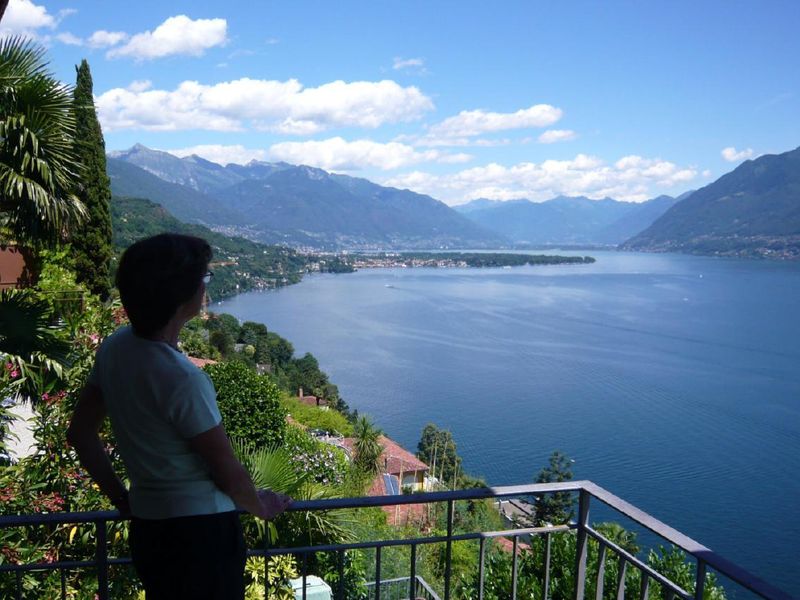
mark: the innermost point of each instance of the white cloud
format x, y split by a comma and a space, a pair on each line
23, 17
176, 35
69, 39
557, 135
338, 154
631, 178
470, 123
272, 41
268, 105
408, 63
140, 85
222, 154
731, 155
104, 39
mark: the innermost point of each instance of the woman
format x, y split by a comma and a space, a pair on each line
186, 483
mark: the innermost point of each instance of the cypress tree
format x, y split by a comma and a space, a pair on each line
92, 246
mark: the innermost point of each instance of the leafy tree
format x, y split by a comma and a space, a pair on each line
280, 350
250, 332
367, 446
222, 341
249, 404
555, 508
437, 449
92, 248
194, 340
38, 164
224, 322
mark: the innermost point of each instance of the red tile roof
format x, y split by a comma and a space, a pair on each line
395, 459
201, 362
507, 545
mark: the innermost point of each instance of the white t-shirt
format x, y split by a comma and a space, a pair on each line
156, 400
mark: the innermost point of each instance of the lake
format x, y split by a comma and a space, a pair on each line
672, 381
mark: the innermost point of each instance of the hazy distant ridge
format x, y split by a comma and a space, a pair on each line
566, 220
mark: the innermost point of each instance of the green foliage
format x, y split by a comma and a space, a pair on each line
249, 404
222, 342
92, 246
240, 265
673, 563
50, 480
279, 571
555, 508
194, 340
354, 573
37, 158
280, 350
274, 469
31, 346
322, 462
367, 446
437, 449
314, 417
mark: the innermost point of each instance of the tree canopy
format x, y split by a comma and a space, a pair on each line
93, 248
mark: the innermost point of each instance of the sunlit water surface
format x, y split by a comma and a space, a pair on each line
673, 381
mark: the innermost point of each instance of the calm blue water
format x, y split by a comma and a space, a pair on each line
673, 381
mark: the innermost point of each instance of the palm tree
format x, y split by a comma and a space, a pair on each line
29, 345
38, 164
367, 445
272, 469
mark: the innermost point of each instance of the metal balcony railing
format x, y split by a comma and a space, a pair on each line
705, 560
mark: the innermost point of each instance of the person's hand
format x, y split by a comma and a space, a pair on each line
272, 504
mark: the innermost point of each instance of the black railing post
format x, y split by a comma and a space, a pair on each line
266, 559
601, 572
481, 566
700, 580
580, 551
514, 568
623, 569
412, 586
448, 549
101, 556
546, 568
378, 573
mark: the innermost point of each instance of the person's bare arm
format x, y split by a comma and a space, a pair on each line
232, 478
83, 435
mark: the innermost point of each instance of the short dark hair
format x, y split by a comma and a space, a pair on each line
158, 274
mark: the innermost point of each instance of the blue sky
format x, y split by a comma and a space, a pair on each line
454, 99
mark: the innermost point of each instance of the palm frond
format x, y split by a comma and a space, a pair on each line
25, 329
38, 163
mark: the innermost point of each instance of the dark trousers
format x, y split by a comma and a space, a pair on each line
190, 558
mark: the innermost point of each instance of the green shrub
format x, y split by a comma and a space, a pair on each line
325, 463
249, 404
318, 418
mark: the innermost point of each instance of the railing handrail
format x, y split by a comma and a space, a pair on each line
682, 541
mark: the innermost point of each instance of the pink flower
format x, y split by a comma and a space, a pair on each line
14, 374
45, 396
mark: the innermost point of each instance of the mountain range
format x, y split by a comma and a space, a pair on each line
300, 205
752, 211
566, 220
